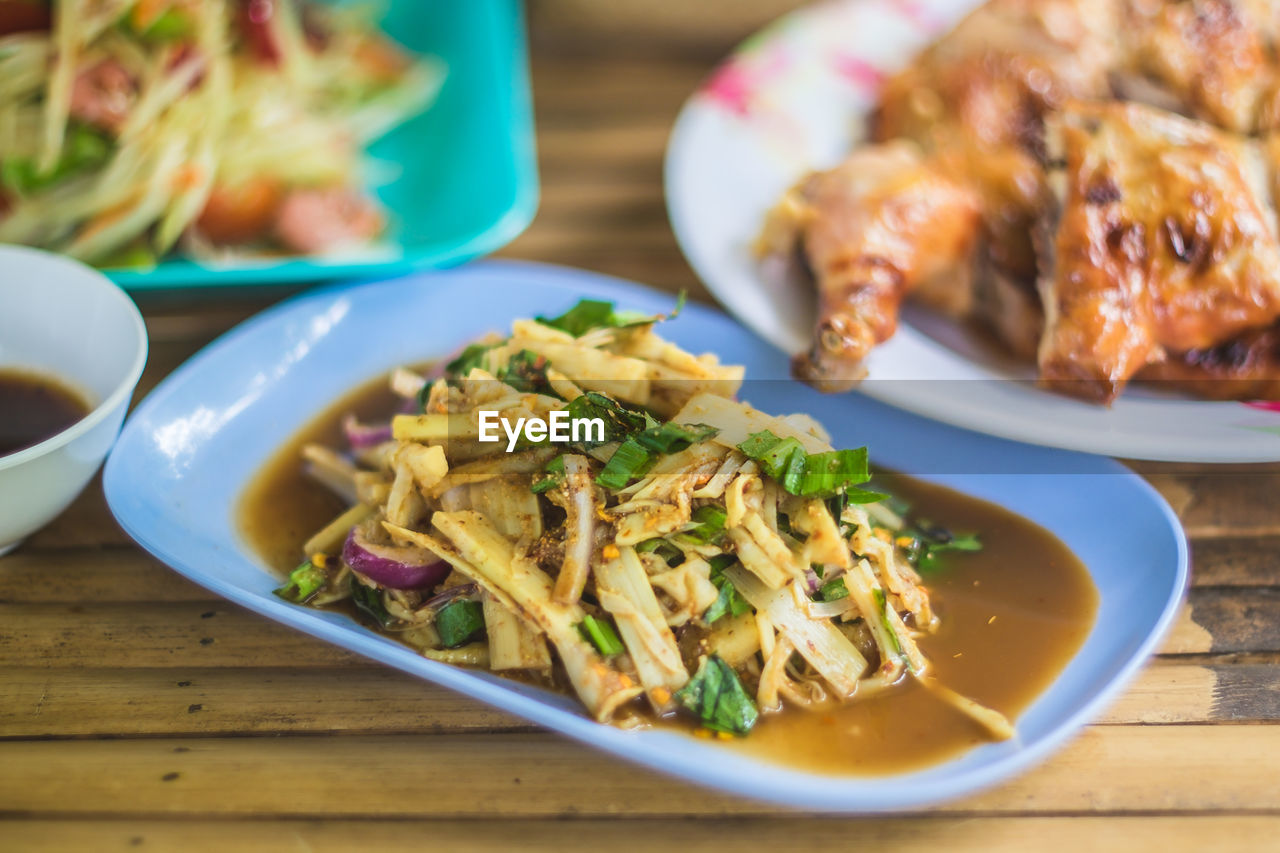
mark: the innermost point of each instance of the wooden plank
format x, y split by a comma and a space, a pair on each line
144, 635
1186, 636
1175, 692
1107, 769
1231, 504
362, 697
1238, 620
628, 91
707, 29
69, 702
701, 835
1236, 561
92, 574
636, 140
1226, 620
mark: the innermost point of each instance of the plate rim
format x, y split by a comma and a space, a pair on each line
799, 789
185, 273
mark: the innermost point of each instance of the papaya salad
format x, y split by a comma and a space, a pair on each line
131, 128
693, 557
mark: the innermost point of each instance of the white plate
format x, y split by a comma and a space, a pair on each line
793, 98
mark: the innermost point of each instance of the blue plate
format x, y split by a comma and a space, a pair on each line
467, 179
191, 447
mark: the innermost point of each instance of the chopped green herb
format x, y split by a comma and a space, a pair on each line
588, 314
672, 438
708, 526
304, 582
475, 355
84, 149
833, 590
929, 541
368, 601
627, 319
863, 496
526, 372
601, 634
591, 314
728, 601
807, 475
635, 427
170, 25
716, 697
552, 476
134, 255
720, 562
965, 542
619, 421
722, 605
758, 443
836, 505
664, 549
459, 621
784, 527
882, 605
834, 471
629, 462
779, 459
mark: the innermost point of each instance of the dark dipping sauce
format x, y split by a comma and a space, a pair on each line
1012, 616
34, 407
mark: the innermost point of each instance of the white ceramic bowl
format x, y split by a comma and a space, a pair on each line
61, 318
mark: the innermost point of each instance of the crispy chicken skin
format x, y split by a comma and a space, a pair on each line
1161, 240
1143, 245
1210, 59
976, 99
881, 224
1244, 368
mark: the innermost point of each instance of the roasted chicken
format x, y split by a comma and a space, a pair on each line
1211, 59
1144, 213
1244, 368
1160, 239
976, 99
885, 223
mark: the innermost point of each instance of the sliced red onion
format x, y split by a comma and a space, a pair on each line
392, 566
812, 579
460, 591
259, 31
362, 436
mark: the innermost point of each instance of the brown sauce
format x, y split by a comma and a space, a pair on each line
34, 407
1012, 616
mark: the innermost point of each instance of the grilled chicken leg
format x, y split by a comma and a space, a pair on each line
881, 224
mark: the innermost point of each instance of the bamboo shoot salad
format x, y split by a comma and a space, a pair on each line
583, 504
131, 127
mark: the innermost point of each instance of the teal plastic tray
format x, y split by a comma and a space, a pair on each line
467, 178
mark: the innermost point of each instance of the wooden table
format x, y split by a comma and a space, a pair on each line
139, 711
